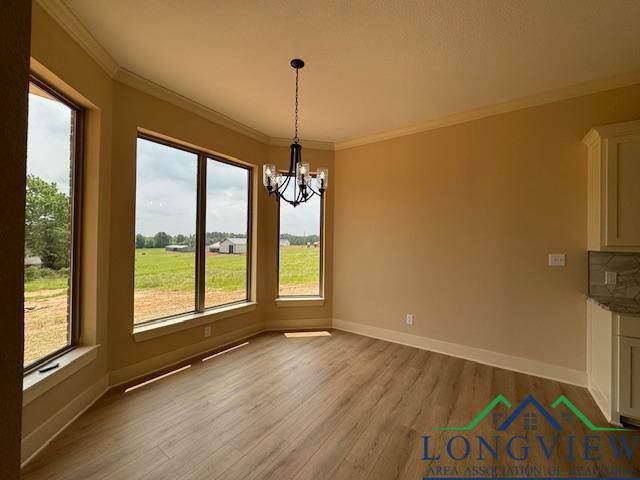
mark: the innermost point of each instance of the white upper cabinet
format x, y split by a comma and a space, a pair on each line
614, 187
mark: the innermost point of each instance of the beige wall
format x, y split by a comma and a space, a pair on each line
61, 62
283, 317
116, 111
132, 110
454, 225
15, 25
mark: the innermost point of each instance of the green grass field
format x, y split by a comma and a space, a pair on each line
170, 271
159, 272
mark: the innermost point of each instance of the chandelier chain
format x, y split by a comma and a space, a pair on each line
295, 137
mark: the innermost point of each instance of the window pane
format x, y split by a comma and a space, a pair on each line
299, 270
227, 228
165, 231
47, 225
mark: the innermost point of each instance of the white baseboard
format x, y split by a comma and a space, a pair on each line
271, 325
487, 357
45, 433
604, 403
174, 357
601, 400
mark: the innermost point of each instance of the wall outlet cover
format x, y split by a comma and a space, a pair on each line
557, 259
207, 331
409, 319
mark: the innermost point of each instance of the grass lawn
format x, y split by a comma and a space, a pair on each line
159, 272
173, 271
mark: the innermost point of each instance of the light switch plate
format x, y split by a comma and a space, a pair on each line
557, 260
207, 331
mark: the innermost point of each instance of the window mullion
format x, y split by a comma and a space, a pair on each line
201, 233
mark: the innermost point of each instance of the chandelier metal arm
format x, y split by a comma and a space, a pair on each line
298, 172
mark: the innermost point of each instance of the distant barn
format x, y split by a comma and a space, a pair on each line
233, 245
179, 248
214, 247
32, 262
284, 243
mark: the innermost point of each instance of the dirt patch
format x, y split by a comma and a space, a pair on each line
151, 304
45, 323
45, 312
310, 289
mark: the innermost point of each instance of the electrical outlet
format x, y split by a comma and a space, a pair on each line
610, 278
556, 259
409, 319
207, 331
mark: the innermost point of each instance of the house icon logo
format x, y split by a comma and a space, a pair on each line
530, 419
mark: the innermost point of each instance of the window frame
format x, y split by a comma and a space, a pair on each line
203, 156
75, 218
320, 246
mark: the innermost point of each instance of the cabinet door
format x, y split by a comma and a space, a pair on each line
623, 191
629, 379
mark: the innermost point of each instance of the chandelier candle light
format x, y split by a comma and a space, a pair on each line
305, 185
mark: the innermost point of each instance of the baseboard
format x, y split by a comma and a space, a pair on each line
302, 323
33, 443
487, 357
167, 360
601, 400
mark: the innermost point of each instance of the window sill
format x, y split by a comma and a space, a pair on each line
36, 383
300, 301
191, 320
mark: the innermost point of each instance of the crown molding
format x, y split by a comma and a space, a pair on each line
147, 86
63, 15
565, 93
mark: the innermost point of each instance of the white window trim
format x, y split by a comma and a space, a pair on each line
184, 322
36, 383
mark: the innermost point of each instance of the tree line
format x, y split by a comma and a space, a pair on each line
300, 239
48, 227
47, 223
162, 239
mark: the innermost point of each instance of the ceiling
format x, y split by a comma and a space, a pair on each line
372, 65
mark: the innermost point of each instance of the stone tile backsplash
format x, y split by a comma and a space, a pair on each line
627, 267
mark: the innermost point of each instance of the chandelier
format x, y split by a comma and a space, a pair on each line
298, 184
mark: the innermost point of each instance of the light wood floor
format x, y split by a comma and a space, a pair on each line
338, 407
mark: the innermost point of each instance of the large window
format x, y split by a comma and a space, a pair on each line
300, 248
192, 231
52, 207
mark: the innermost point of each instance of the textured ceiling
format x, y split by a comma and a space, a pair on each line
372, 66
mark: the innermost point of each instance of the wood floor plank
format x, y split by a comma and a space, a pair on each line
337, 407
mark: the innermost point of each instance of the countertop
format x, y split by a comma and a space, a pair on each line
618, 305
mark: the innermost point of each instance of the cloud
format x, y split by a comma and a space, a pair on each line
301, 220
49, 141
166, 178
166, 192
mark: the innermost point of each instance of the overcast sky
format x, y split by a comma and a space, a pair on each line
301, 220
166, 192
166, 181
49, 141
